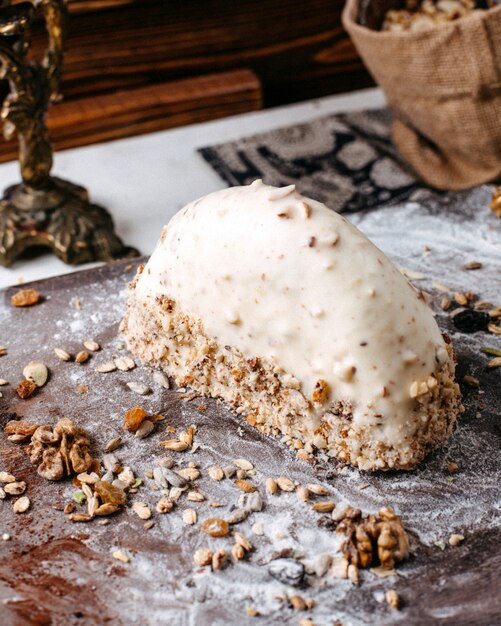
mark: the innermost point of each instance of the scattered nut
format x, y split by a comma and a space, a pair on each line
219, 559
161, 379
454, 539
216, 527
393, 599
62, 354
245, 485
139, 388
142, 510
25, 297
93, 346
36, 372
202, 557
25, 389
164, 505
216, 473
15, 488
286, 484
21, 505
82, 356
271, 486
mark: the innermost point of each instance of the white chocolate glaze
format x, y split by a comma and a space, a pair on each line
280, 276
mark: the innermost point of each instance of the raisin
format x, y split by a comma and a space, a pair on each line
470, 321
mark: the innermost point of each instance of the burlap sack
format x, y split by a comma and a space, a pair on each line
444, 85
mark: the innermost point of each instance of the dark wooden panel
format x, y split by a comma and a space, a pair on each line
298, 49
147, 109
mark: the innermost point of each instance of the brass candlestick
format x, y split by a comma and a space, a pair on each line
43, 210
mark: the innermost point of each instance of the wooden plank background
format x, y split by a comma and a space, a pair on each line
139, 66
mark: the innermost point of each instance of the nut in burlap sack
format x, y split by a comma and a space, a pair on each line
444, 86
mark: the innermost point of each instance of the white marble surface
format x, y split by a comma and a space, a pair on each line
144, 180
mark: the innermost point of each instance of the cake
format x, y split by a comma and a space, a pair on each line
281, 307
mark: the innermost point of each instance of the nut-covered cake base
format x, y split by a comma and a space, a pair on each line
162, 335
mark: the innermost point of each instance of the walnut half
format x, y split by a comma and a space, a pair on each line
60, 451
374, 539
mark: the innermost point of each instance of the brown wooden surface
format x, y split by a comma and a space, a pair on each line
53, 572
145, 109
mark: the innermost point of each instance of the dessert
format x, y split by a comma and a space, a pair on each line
284, 309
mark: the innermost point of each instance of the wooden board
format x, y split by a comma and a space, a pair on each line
56, 572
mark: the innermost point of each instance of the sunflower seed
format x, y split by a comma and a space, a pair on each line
108, 477
326, 506
21, 505
173, 478
166, 462
113, 444
286, 484
472, 265
90, 479
353, 574
93, 346
175, 445
5, 477
106, 509
3, 495
105, 368
145, 429
245, 485
195, 496
82, 356
37, 372
271, 486
161, 379
139, 388
189, 473
243, 464
142, 510
190, 516
175, 493
302, 493
62, 354
92, 505
237, 516
229, 471
3, 382
318, 490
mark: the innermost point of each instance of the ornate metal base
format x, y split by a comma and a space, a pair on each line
60, 218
